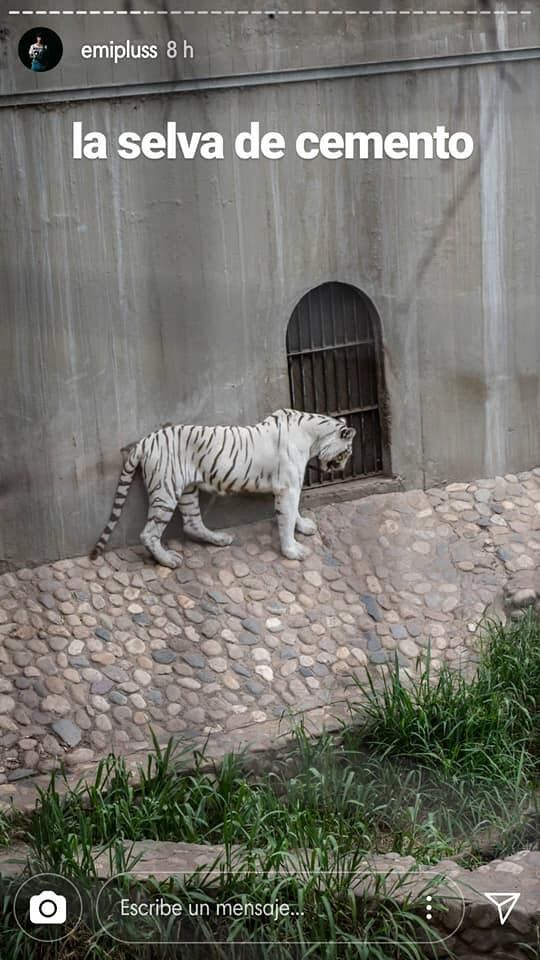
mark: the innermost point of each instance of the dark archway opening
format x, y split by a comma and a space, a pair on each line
335, 358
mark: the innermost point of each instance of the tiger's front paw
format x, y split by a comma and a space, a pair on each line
223, 539
295, 552
167, 558
306, 526
170, 559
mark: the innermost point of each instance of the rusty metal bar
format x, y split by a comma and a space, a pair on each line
337, 346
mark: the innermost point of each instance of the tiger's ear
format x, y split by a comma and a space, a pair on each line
347, 433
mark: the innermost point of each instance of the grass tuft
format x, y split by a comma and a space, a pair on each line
484, 728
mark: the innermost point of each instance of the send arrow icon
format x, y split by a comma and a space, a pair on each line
505, 903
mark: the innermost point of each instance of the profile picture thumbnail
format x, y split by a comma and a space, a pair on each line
40, 49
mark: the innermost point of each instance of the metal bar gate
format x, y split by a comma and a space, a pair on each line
335, 367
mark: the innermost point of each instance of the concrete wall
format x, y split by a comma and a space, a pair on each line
145, 291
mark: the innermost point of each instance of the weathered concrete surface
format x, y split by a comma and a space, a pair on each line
161, 290
93, 655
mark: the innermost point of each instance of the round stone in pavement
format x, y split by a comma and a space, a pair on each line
372, 607
378, 656
241, 669
164, 656
253, 626
194, 660
67, 731
101, 686
118, 698
248, 639
217, 596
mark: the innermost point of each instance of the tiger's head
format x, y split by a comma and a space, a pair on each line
335, 447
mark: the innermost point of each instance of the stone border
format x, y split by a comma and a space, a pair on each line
472, 927
257, 742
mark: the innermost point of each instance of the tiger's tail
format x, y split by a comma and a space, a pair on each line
124, 483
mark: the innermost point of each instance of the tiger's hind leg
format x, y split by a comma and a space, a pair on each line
193, 522
160, 511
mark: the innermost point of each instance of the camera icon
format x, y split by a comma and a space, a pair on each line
48, 907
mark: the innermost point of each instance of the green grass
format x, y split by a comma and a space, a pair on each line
326, 922
432, 767
337, 796
487, 728
4, 829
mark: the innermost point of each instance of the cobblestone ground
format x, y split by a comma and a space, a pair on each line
93, 654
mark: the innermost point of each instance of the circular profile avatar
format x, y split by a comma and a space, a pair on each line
40, 49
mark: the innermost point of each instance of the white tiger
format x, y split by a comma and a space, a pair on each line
269, 457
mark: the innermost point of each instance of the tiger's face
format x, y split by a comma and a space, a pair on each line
336, 448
